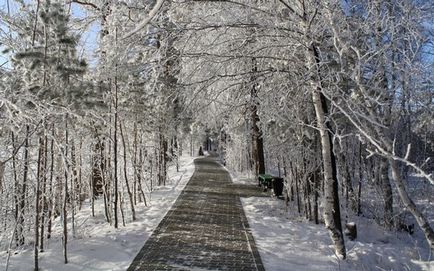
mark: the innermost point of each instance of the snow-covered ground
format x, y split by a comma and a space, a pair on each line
241, 178
287, 242
97, 245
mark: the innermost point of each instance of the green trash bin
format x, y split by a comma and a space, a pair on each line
268, 181
264, 181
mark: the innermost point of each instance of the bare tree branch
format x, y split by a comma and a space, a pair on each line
146, 21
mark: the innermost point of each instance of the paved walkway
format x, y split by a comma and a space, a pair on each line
206, 229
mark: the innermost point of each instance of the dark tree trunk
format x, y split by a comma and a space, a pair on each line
297, 191
316, 180
51, 200
97, 167
20, 224
16, 190
386, 190
79, 177
359, 188
257, 139
73, 187
130, 195
139, 176
65, 196
121, 208
37, 201
308, 192
163, 158
44, 206
135, 165
115, 154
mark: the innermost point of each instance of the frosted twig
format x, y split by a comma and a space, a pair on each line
407, 154
145, 22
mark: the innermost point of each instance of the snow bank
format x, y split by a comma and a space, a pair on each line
98, 245
287, 242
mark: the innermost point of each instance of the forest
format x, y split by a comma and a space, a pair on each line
100, 98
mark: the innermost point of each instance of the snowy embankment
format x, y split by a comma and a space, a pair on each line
287, 242
99, 246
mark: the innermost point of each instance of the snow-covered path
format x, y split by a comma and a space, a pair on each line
206, 229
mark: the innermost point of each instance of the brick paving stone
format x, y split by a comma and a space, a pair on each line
206, 228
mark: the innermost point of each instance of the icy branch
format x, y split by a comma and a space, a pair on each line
145, 22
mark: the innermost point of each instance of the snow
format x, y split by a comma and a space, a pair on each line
287, 242
242, 177
98, 245
284, 240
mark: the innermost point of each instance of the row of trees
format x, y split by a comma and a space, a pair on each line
334, 94
73, 132
337, 95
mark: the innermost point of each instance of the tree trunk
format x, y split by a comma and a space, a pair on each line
297, 191
257, 139
37, 198
73, 187
307, 196
97, 166
165, 160
332, 215
386, 191
162, 158
359, 188
44, 207
176, 148
121, 208
135, 165
115, 154
139, 176
159, 159
133, 211
411, 206
20, 225
79, 177
151, 169
51, 200
91, 186
65, 197
316, 196
16, 190
286, 183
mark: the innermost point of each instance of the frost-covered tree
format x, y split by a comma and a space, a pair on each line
302, 49
334, 96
